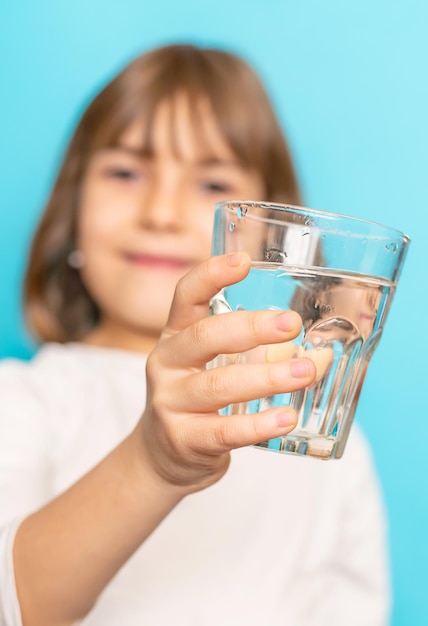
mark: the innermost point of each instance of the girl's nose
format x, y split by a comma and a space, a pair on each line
162, 209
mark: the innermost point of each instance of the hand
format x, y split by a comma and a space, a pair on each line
187, 441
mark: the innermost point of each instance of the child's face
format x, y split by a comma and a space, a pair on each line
144, 221
360, 306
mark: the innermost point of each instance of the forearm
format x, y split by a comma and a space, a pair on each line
67, 552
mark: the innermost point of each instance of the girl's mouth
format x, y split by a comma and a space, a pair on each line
158, 261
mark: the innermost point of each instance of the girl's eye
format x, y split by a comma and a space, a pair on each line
122, 173
215, 187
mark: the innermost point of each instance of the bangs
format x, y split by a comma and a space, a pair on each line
136, 95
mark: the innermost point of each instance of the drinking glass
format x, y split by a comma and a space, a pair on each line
340, 274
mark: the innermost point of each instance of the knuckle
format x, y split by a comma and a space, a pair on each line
152, 366
225, 436
257, 430
158, 408
180, 289
176, 438
254, 323
215, 387
211, 271
240, 431
273, 377
157, 373
199, 334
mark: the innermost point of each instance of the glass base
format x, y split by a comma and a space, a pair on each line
303, 445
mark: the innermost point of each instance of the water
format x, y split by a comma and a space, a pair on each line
343, 315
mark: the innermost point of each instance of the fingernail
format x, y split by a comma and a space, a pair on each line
286, 418
287, 321
300, 368
234, 259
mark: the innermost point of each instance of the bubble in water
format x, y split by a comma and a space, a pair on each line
232, 226
241, 211
391, 247
275, 255
309, 221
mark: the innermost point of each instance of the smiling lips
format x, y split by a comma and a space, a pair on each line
157, 261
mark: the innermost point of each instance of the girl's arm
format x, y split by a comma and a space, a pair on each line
67, 552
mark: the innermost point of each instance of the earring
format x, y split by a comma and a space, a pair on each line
76, 259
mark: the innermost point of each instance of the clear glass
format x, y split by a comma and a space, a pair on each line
340, 274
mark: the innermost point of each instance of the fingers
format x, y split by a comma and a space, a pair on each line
212, 389
197, 446
216, 435
195, 290
229, 333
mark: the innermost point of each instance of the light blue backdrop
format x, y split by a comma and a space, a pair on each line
349, 80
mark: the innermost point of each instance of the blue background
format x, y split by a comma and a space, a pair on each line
349, 82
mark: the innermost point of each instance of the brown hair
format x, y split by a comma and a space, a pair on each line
57, 304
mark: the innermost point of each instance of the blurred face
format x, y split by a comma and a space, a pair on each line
144, 221
359, 306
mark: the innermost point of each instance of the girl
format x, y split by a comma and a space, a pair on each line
95, 523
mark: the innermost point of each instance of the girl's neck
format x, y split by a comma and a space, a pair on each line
110, 335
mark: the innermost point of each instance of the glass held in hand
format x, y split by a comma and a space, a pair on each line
340, 274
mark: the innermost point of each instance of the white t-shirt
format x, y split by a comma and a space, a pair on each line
279, 540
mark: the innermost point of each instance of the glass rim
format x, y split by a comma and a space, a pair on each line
299, 209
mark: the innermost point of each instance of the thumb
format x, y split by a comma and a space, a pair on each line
195, 290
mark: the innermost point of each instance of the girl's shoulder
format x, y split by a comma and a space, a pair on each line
57, 372
41, 373
55, 361
30, 385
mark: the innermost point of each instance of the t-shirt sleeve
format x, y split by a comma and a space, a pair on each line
24, 469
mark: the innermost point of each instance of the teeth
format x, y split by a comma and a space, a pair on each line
281, 351
322, 357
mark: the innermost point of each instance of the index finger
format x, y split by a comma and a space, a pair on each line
195, 290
